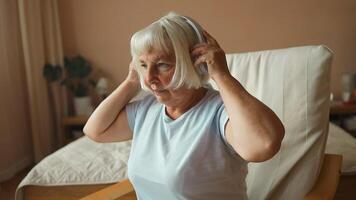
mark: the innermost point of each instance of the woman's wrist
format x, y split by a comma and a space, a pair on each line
221, 76
132, 88
133, 85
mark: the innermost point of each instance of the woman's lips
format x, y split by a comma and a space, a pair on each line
156, 89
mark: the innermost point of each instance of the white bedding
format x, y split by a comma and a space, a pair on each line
79, 163
87, 162
341, 142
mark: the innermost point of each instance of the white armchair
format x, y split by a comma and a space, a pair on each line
295, 84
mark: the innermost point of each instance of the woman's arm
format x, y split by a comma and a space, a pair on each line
253, 130
109, 123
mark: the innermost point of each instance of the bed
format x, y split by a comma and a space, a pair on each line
85, 166
342, 143
76, 170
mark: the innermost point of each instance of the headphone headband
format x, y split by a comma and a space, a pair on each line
203, 68
196, 27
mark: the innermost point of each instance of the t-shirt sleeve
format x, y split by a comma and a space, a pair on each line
131, 111
223, 118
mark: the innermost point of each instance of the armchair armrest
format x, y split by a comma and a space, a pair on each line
328, 180
324, 188
120, 191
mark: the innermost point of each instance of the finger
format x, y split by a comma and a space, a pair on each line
205, 50
199, 50
203, 47
198, 46
210, 39
200, 60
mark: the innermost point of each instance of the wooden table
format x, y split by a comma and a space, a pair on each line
68, 124
340, 112
340, 108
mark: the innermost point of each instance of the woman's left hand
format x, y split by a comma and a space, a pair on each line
211, 54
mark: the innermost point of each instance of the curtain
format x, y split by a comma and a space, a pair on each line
15, 135
30, 109
41, 43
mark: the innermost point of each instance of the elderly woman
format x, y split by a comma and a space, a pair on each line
188, 140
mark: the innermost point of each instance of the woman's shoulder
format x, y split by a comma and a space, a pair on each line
211, 102
148, 100
213, 95
143, 100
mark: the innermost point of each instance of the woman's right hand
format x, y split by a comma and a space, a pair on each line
133, 77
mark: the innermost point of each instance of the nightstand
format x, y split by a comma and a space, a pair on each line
70, 124
342, 109
340, 112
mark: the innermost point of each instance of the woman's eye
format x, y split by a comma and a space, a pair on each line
163, 66
144, 66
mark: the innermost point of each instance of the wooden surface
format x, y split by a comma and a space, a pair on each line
341, 108
346, 189
69, 192
119, 191
74, 120
68, 123
328, 179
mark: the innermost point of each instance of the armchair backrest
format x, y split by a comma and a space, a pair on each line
295, 84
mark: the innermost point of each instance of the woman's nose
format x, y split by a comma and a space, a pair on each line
150, 74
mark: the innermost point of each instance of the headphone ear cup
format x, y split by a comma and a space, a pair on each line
203, 69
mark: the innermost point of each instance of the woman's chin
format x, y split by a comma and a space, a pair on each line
161, 97
160, 93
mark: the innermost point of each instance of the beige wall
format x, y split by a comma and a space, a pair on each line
101, 30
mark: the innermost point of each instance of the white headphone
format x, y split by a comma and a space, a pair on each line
199, 32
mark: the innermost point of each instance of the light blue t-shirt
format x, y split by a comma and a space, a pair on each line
185, 158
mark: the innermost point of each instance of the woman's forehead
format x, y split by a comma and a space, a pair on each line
155, 55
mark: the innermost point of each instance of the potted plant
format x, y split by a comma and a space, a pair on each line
77, 78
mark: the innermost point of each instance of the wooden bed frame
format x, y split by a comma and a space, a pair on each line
324, 188
69, 192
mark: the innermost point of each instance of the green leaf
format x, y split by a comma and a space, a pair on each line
52, 73
57, 72
77, 70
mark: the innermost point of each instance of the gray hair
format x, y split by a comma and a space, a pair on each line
172, 35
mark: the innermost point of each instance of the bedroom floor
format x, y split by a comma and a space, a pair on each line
345, 191
8, 188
